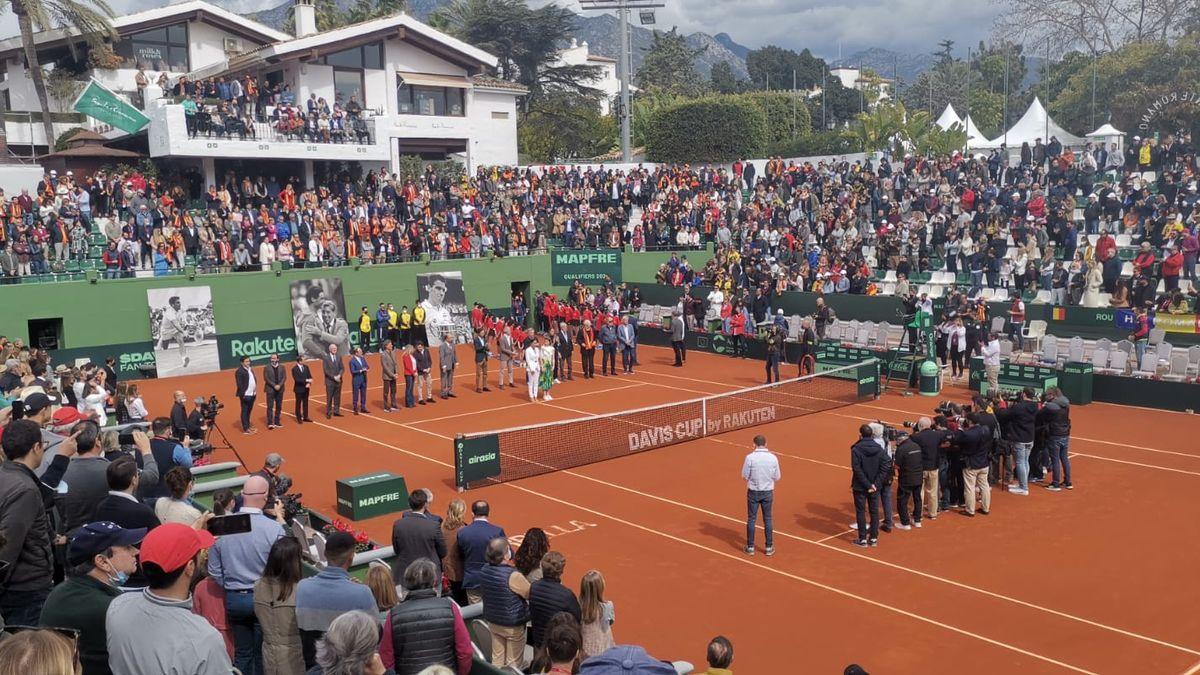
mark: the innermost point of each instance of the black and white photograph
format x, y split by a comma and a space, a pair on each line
444, 299
319, 315
183, 330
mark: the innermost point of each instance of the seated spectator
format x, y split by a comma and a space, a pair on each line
178, 508
597, 614
154, 631
505, 604
331, 593
548, 597
275, 608
425, 629
101, 556
562, 649
350, 647
720, 656
625, 659
45, 651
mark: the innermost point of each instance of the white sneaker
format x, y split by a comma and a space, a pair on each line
549, 397
902, 526
917, 524
533, 399
1018, 491
557, 381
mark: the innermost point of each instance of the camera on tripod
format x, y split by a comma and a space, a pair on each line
210, 408
289, 503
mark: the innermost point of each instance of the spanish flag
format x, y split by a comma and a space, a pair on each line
1060, 314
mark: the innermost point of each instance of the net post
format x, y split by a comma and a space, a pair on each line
704, 416
458, 463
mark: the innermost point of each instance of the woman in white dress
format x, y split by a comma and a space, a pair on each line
1093, 282
533, 366
91, 403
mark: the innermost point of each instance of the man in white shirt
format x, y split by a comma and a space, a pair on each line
991, 362
760, 471
247, 391
173, 328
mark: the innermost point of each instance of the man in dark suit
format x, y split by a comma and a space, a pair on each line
247, 392
301, 385
481, 361
626, 336
179, 416
358, 381
274, 378
121, 506
473, 541
416, 534
332, 364
564, 347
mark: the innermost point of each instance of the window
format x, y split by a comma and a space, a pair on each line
425, 100
347, 83
157, 49
499, 114
369, 57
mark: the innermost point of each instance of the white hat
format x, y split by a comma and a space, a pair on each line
779, 312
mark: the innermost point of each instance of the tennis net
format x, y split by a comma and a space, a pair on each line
522, 452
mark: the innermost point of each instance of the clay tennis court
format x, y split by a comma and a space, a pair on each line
1100, 579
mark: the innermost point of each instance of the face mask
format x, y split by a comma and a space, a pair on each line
120, 579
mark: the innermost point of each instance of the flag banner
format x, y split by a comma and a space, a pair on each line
101, 104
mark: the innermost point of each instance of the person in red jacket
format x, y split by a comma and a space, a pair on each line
1106, 247
1141, 333
1172, 265
737, 328
1145, 260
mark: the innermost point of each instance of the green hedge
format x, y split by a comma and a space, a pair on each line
714, 129
783, 110
817, 143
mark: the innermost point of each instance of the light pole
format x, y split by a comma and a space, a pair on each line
624, 59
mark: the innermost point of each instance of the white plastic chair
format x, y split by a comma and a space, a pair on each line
863, 337
1164, 352
1035, 330
1100, 360
1193, 354
1177, 372
1149, 365
1118, 361
997, 324
1104, 343
1049, 352
881, 334
1006, 348
1157, 335
890, 276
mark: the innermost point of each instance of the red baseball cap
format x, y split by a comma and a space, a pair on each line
172, 545
66, 416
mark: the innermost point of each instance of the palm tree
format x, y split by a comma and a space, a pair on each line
87, 19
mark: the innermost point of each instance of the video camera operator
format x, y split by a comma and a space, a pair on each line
197, 422
277, 483
1055, 416
1017, 425
168, 454
975, 445
932, 439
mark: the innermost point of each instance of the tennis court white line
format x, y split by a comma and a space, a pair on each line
1193, 670
836, 536
742, 560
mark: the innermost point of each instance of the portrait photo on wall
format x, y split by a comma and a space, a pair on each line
319, 315
444, 299
183, 330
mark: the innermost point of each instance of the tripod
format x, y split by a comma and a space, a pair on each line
225, 444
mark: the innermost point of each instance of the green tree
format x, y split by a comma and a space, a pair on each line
709, 129
879, 128
562, 127
328, 15
723, 80
774, 66
945, 53
89, 19
787, 117
365, 10
645, 105
670, 65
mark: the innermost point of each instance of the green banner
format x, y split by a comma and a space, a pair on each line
103, 105
589, 267
476, 459
132, 359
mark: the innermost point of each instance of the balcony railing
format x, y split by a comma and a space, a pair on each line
359, 131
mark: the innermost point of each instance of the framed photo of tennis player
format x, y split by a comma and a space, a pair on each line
184, 330
319, 315
444, 299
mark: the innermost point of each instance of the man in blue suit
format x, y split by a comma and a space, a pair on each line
358, 381
472, 547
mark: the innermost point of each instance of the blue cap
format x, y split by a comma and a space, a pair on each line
95, 538
625, 660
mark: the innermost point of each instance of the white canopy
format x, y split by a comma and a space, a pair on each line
1106, 131
949, 118
975, 138
1034, 124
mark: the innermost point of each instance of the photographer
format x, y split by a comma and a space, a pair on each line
168, 454
910, 475
1018, 421
270, 472
198, 420
975, 446
932, 439
1055, 416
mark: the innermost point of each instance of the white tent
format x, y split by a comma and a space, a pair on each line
949, 118
975, 138
1108, 134
1034, 124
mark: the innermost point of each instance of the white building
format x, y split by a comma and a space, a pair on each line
608, 83
852, 78
422, 92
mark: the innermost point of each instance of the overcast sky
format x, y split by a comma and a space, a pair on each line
819, 25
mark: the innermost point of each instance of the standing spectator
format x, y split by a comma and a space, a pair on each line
452, 563
387, 373
991, 362
533, 367
39, 651
1016, 320
866, 464
408, 363
678, 331
909, 467
301, 387
383, 588
564, 347
333, 368
1019, 421
154, 631
597, 614
561, 648
86, 474
350, 647
587, 349
1055, 416
167, 452
101, 557
236, 563
275, 609
824, 316
364, 329
505, 593
447, 360
424, 363
247, 392
625, 337
473, 542
425, 629
358, 381
122, 506
508, 353
417, 535
933, 459
331, 593
274, 379
608, 345
720, 656
480, 343
548, 596
760, 470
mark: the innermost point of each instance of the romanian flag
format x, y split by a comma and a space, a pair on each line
1060, 314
